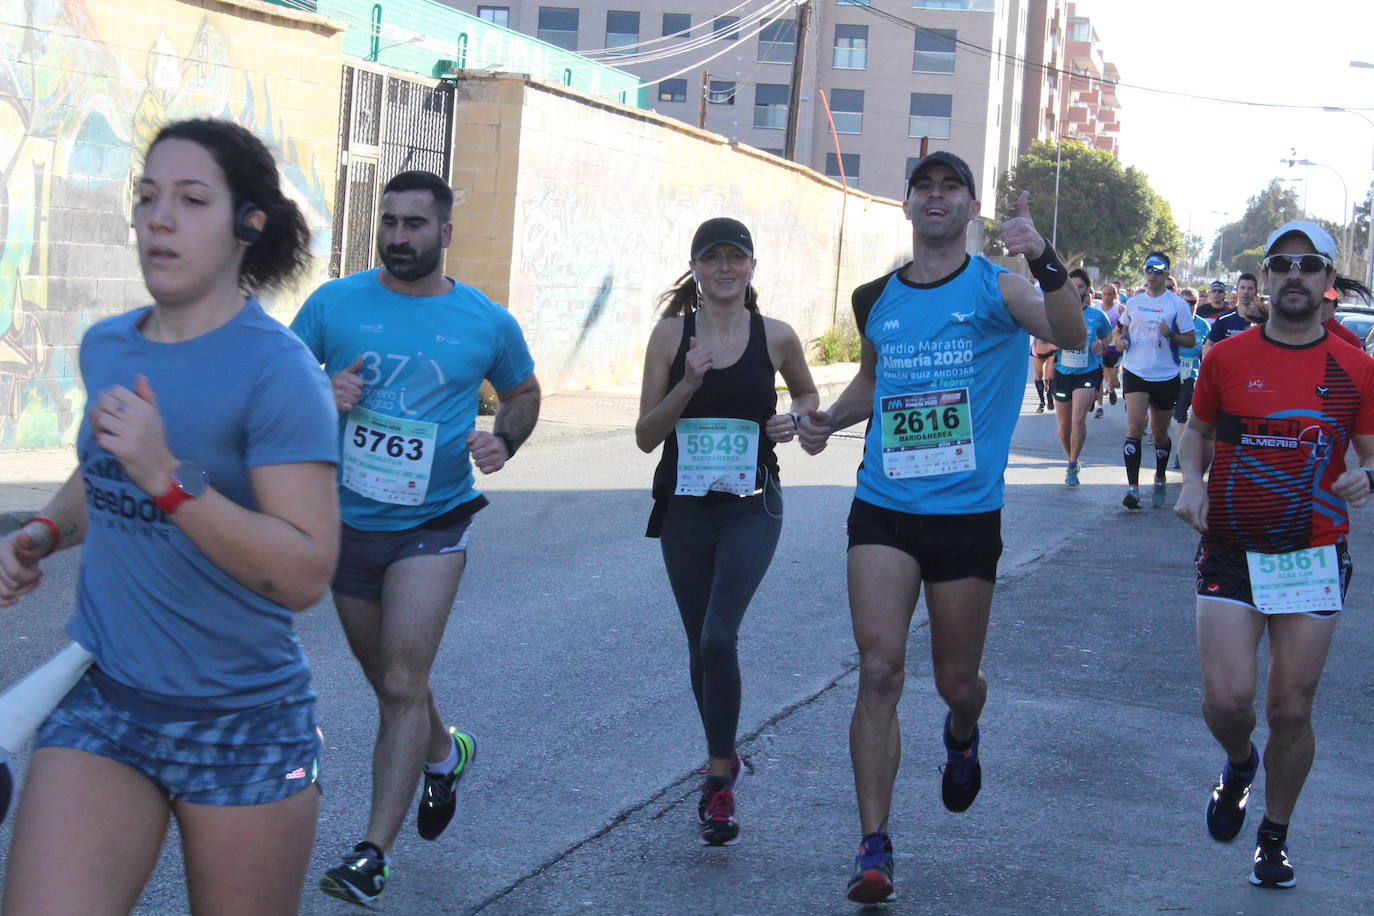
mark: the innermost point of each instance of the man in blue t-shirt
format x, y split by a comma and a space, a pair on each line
1249, 311
407, 349
1078, 378
1189, 359
941, 375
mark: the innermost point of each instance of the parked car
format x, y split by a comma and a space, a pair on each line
1359, 319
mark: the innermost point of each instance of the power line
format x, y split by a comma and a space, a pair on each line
735, 27
1046, 68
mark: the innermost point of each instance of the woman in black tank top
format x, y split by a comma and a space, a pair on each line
708, 398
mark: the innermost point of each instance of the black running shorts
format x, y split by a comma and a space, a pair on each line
1163, 395
946, 547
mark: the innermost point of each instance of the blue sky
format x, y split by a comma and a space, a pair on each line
1205, 156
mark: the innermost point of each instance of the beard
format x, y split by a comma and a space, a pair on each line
408, 265
1295, 302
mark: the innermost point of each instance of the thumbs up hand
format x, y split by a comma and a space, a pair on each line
1019, 235
348, 386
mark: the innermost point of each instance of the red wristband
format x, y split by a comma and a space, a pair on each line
56, 535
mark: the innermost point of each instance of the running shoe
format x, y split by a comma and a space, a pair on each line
1071, 476
439, 799
6, 785
963, 774
1111, 396
360, 878
1226, 807
872, 881
1157, 494
1132, 498
1040, 409
1097, 414
1272, 866
736, 768
1174, 464
720, 827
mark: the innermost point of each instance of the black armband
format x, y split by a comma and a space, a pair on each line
510, 443
1048, 270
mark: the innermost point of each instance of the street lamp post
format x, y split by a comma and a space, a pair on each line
1369, 237
1345, 199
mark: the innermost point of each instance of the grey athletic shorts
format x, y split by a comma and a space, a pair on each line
365, 555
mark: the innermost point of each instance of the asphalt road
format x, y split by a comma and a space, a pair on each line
565, 658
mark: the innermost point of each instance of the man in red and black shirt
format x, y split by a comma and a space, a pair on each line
1274, 412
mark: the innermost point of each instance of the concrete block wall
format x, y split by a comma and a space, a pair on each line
84, 86
604, 203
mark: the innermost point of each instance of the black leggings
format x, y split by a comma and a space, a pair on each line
716, 555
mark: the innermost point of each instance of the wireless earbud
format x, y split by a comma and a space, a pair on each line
243, 230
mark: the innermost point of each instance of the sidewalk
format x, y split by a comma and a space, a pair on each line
30, 477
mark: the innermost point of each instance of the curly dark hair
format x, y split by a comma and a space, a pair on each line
283, 250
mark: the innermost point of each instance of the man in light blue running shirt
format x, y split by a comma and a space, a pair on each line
407, 349
942, 375
1078, 378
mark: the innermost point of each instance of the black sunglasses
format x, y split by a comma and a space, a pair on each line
1307, 263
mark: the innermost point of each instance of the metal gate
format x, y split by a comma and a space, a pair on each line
387, 124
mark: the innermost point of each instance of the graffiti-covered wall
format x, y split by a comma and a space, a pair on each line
577, 214
84, 85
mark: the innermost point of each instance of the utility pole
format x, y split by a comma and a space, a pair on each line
789, 150
701, 102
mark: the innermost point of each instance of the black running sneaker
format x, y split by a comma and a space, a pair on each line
1226, 807
6, 785
1272, 868
963, 774
360, 878
720, 827
439, 800
872, 881
736, 769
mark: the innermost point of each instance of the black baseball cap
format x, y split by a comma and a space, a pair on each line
960, 168
720, 230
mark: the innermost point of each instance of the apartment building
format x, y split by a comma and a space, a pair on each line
1088, 105
891, 73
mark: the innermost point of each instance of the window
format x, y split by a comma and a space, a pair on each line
675, 23
770, 105
622, 31
934, 51
778, 42
558, 27
974, 6
726, 25
496, 15
847, 111
672, 91
722, 92
1080, 30
930, 115
851, 47
851, 168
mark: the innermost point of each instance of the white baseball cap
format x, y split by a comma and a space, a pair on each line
1319, 237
